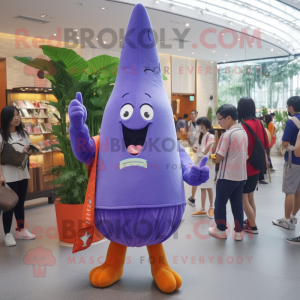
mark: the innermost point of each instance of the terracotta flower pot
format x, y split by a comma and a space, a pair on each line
69, 220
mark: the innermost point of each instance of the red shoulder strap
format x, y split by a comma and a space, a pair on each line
84, 236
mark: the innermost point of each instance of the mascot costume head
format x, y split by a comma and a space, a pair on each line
137, 197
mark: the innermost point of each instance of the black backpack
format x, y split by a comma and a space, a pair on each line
258, 156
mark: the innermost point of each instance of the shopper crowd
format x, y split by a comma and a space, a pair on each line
242, 157
237, 164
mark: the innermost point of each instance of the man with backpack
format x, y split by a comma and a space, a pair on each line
291, 170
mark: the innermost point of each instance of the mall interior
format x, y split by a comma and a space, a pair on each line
209, 55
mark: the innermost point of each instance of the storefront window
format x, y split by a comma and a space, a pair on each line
269, 82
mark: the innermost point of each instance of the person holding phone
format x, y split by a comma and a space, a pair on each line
13, 133
205, 146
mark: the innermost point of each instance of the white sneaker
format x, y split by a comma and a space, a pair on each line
24, 234
293, 220
9, 240
285, 223
238, 236
215, 232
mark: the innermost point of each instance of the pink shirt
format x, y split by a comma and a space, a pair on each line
233, 146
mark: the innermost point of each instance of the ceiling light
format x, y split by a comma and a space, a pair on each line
156, 1
104, 42
192, 52
75, 30
225, 54
54, 34
238, 39
211, 61
214, 51
178, 49
96, 39
103, 7
272, 49
121, 40
43, 16
187, 24
223, 61
77, 37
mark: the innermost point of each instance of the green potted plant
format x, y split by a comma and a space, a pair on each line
281, 119
210, 114
69, 73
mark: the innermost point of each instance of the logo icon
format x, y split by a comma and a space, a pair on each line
39, 258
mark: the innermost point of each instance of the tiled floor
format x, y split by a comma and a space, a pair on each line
268, 268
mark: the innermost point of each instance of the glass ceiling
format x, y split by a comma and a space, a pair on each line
271, 17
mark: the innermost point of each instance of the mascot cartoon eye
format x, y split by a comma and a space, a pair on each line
147, 112
126, 111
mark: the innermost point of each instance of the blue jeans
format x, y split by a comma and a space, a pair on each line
233, 190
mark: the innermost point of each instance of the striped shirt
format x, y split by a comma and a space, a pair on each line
233, 146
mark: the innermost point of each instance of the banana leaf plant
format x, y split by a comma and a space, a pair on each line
281, 119
69, 73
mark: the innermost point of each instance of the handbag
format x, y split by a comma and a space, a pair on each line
8, 198
10, 156
258, 156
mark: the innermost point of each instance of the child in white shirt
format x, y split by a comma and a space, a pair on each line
204, 146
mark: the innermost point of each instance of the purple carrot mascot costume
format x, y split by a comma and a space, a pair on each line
139, 197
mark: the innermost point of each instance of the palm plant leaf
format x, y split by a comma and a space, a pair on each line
74, 63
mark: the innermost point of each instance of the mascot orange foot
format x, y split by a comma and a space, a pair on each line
111, 271
166, 279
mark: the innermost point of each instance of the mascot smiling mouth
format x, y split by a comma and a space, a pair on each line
134, 139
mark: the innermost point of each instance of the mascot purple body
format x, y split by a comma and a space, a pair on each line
140, 196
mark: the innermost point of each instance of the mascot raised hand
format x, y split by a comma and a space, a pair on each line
136, 196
